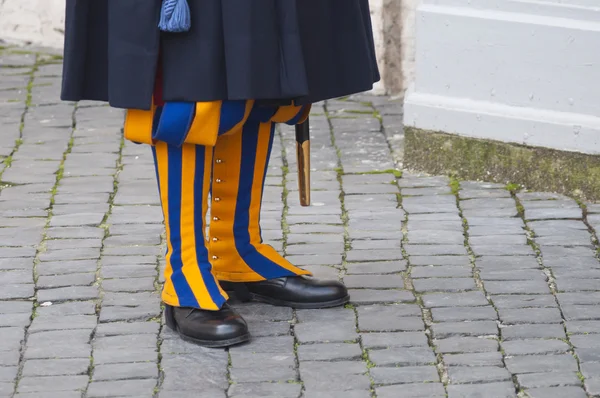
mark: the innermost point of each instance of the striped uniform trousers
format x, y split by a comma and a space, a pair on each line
233, 172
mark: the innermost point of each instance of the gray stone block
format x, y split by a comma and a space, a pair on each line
463, 261
476, 328
516, 287
68, 322
374, 281
381, 267
56, 367
541, 363
55, 281
329, 352
441, 272
508, 262
16, 291
71, 254
52, 384
117, 355
583, 327
557, 392
10, 338
402, 356
144, 387
247, 390
417, 390
250, 359
465, 344
435, 237
66, 267
131, 271
68, 293
593, 386
337, 394
488, 390
395, 339
553, 214
477, 374
137, 313
326, 332
498, 240
550, 379
570, 252
487, 313
263, 374
529, 315
124, 328
374, 255
403, 375
205, 393
529, 347
63, 394
68, 308
267, 345
581, 312
588, 354
577, 285
324, 315
443, 300
125, 371
539, 331
435, 250
371, 296
10, 358
25, 263
189, 373
263, 329
444, 284
501, 250
585, 341
512, 275
129, 285
524, 301
15, 320
8, 373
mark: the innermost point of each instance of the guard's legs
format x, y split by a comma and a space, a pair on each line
240, 167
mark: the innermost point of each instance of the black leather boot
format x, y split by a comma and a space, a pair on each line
300, 292
221, 328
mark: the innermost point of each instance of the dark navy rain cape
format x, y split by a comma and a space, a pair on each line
301, 50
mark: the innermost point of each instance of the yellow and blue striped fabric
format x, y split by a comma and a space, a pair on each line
184, 182
239, 172
201, 123
234, 172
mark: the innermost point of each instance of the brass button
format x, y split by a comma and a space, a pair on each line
215, 240
217, 199
218, 180
215, 257
219, 161
215, 218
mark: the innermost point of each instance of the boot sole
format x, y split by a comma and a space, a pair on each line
300, 306
212, 343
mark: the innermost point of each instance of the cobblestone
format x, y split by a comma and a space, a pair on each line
80, 308
476, 374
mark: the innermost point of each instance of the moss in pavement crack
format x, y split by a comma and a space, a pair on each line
551, 278
106, 227
41, 247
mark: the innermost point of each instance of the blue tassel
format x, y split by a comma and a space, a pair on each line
175, 16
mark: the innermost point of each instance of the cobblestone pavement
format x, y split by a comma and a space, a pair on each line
459, 289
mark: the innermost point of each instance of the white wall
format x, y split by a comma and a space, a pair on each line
37, 21
378, 33
519, 71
